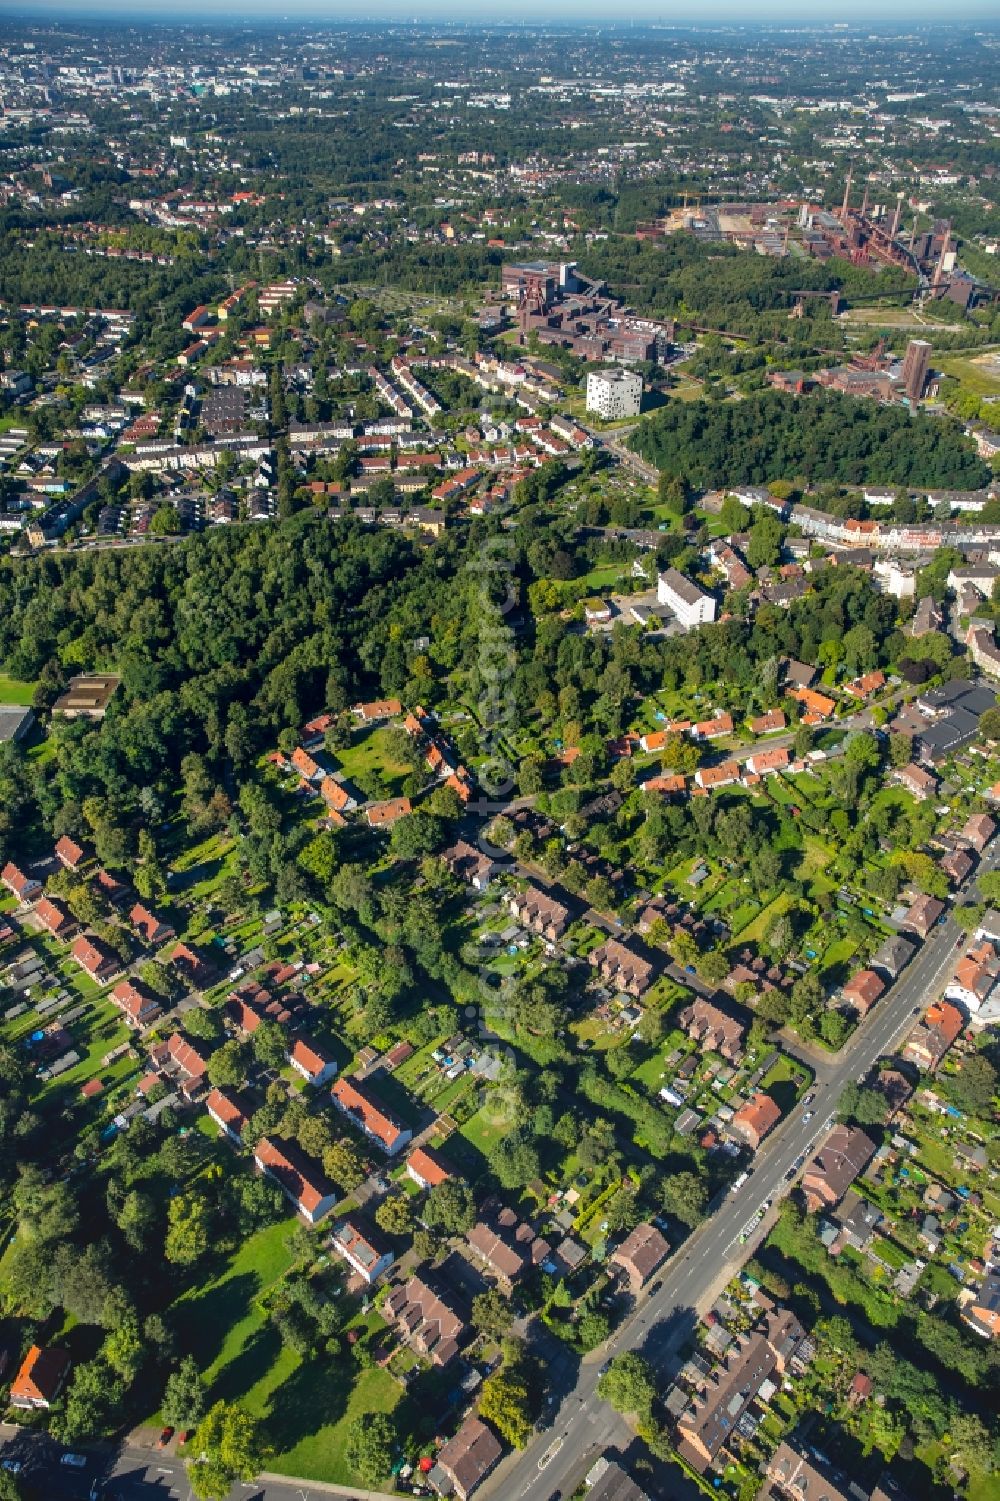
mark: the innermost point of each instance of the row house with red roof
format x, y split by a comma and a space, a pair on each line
361, 1104
23, 886
300, 1179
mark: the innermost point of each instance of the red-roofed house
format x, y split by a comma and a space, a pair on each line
362, 1248
229, 1110
370, 1115
149, 927
336, 796
765, 762
138, 1008
312, 1061
300, 1180
426, 1168
25, 888
191, 965
304, 764
382, 708
933, 1035
54, 918
40, 1378
382, 815
98, 962
69, 853
863, 990
755, 1119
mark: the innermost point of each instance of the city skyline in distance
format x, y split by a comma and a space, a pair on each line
851, 14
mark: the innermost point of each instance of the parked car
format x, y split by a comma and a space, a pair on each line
166, 1434
75, 1461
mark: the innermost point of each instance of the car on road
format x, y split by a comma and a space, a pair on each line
808, 1116
75, 1461
738, 1183
800, 1159
808, 1099
656, 1287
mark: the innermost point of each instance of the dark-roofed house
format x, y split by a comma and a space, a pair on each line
933, 1035
892, 957
641, 1255
467, 1459
715, 1029
507, 1245
607, 1481
840, 1159
923, 915
469, 864
800, 1475
540, 913
301, 1180
428, 1318
617, 965
362, 1248
982, 1313
40, 1377
710, 1421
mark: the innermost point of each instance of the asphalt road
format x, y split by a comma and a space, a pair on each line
582, 1426
136, 1474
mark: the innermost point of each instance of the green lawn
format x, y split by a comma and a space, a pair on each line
370, 753
978, 374
12, 691
756, 930
311, 1409
306, 1406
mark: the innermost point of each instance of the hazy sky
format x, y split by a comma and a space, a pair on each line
904, 13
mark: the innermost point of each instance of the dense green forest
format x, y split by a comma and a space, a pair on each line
823, 437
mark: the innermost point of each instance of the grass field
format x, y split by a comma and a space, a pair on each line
756, 930
370, 753
977, 373
12, 691
306, 1406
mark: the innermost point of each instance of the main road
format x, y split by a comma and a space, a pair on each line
583, 1426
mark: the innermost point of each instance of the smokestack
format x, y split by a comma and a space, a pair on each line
894, 231
847, 192
939, 268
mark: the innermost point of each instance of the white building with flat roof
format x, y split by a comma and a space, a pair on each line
691, 605
613, 394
